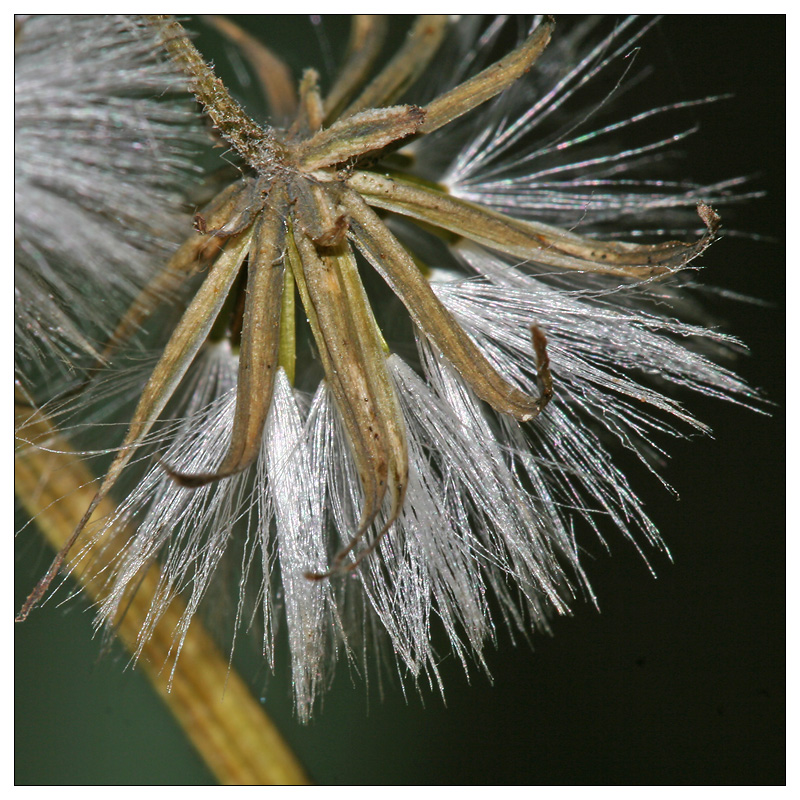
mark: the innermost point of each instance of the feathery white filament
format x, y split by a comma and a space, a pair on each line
102, 149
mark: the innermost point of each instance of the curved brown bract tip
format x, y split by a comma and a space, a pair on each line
710, 217
195, 480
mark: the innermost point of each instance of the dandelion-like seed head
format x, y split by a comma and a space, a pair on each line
391, 497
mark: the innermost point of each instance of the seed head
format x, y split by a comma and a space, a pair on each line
382, 493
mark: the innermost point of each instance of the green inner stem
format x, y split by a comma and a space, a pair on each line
287, 349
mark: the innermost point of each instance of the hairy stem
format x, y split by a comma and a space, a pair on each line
254, 144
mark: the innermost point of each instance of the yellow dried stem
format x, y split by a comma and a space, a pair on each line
230, 730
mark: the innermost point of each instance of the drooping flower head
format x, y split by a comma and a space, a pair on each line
394, 492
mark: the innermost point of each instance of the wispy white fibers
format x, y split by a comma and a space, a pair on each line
291, 499
496, 512
103, 134
603, 352
600, 340
186, 530
277, 509
487, 533
551, 149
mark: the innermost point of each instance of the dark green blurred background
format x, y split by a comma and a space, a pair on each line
678, 680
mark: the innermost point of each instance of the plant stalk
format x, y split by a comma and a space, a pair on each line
230, 730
